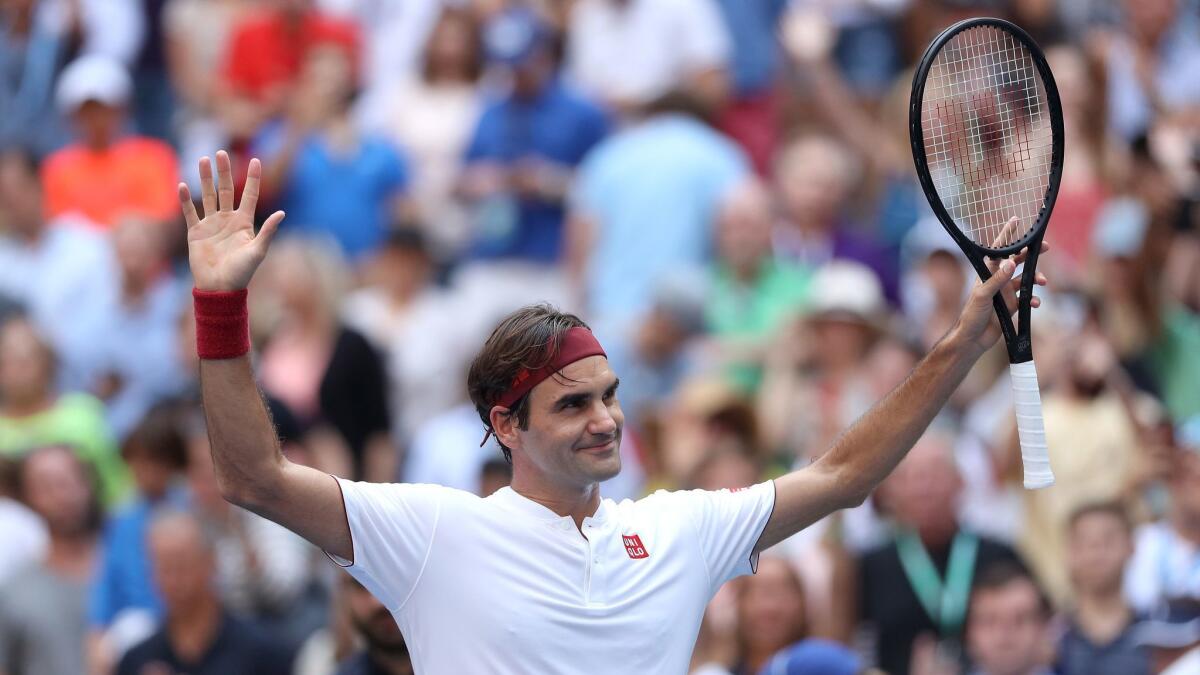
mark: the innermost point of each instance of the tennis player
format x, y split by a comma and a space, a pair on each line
546, 576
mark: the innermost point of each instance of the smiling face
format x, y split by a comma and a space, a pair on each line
574, 430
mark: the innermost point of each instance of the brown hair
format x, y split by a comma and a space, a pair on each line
159, 438
1000, 574
527, 339
475, 59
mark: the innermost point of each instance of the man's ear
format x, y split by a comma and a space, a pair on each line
504, 426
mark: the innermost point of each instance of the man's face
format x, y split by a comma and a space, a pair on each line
98, 124
372, 620
575, 422
183, 566
1005, 628
1099, 547
57, 489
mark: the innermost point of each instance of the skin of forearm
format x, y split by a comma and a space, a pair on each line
245, 450
874, 445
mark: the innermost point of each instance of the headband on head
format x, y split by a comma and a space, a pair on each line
575, 344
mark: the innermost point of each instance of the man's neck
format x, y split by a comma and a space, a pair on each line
71, 556
576, 503
1101, 616
192, 629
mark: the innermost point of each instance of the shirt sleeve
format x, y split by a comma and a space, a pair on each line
391, 530
728, 524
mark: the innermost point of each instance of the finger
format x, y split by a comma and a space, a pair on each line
250, 191
189, 209
1006, 231
224, 181
999, 280
267, 232
208, 191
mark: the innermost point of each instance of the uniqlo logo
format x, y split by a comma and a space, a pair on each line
633, 546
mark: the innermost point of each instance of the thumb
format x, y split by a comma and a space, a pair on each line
996, 282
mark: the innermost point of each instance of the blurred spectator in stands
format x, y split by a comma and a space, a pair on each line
264, 572
418, 328
23, 529
816, 656
771, 613
519, 168
47, 266
915, 587
393, 36
42, 607
384, 651
645, 206
1102, 629
33, 413
817, 379
125, 346
106, 174
445, 449
1006, 627
1152, 62
330, 178
326, 373
495, 474
123, 603
752, 114
936, 280
1166, 559
1093, 448
815, 178
688, 435
34, 46
629, 53
753, 292
198, 634
431, 114
196, 36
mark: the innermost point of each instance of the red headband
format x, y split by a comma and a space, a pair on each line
575, 344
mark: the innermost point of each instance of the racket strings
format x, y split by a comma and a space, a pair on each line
988, 138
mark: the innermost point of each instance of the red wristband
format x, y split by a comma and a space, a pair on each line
222, 324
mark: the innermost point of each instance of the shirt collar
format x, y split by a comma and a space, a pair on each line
511, 499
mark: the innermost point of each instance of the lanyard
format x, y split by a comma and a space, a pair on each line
945, 603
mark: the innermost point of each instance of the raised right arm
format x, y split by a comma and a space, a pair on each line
252, 472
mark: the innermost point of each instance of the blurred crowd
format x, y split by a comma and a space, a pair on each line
723, 189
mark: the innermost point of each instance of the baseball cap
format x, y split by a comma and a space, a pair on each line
514, 35
844, 288
93, 78
814, 657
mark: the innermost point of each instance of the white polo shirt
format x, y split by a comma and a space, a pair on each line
505, 585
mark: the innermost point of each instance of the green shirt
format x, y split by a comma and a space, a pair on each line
1175, 360
76, 420
755, 311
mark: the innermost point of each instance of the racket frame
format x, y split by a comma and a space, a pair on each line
1016, 338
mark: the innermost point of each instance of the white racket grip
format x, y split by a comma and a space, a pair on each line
1027, 402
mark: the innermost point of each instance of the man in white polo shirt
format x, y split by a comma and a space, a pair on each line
545, 576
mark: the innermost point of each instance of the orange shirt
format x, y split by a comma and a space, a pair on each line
135, 176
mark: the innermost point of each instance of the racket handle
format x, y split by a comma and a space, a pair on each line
1027, 401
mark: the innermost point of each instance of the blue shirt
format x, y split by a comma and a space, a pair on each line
123, 580
348, 197
652, 191
755, 56
556, 126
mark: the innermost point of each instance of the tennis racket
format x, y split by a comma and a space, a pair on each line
987, 137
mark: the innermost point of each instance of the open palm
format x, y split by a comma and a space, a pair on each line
223, 250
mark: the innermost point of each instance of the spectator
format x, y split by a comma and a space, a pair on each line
815, 178
326, 373
385, 652
198, 635
815, 656
35, 49
519, 167
330, 178
445, 450
107, 175
771, 613
629, 53
24, 531
1101, 634
33, 414
1006, 625
496, 473
915, 587
645, 205
752, 114
753, 292
431, 114
123, 604
42, 608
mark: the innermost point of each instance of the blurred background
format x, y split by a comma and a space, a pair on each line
723, 189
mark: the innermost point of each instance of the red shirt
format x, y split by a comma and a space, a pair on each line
267, 50
134, 176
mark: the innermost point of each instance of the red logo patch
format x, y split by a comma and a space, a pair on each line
633, 546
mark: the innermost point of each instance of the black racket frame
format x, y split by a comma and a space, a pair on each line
1016, 338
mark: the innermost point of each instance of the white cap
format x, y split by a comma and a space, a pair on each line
93, 78
844, 287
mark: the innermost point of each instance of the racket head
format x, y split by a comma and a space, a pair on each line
986, 128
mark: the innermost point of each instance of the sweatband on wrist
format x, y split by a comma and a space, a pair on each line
222, 323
